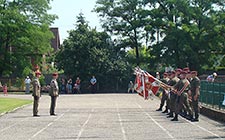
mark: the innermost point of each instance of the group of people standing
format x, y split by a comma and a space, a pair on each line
181, 95
70, 88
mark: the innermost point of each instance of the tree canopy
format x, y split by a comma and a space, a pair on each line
25, 34
87, 52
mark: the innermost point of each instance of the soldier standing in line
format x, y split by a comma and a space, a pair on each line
182, 89
164, 94
195, 93
172, 96
54, 93
36, 93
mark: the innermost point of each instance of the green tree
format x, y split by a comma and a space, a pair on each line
124, 19
192, 32
25, 34
87, 52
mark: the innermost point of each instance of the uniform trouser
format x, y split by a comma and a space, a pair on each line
35, 105
163, 100
183, 100
53, 104
195, 107
173, 102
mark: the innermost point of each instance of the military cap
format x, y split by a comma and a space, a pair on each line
165, 73
186, 69
183, 72
37, 73
178, 70
55, 74
194, 72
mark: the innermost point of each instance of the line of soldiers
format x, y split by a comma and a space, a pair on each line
53, 93
181, 95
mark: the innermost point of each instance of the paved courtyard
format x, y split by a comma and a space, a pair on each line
103, 117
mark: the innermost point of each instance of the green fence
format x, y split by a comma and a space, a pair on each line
213, 94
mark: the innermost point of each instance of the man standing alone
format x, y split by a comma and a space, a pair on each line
54, 92
27, 83
93, 84
36, 93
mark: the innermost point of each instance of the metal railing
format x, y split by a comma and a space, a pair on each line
213, 94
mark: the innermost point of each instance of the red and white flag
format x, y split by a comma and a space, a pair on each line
152, 84
145, 83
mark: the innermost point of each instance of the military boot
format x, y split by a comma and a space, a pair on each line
175, 118
165, 111
160, 108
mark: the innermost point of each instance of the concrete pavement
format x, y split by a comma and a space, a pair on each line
103, 117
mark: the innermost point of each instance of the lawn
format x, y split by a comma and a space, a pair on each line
8, 104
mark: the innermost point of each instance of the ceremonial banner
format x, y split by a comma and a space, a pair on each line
152, 85
145, 83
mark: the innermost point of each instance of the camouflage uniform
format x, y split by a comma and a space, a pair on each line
195, 84
164, 97
172, 96
182, 99
36, 94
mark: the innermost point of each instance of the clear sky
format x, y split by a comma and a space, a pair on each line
68, 10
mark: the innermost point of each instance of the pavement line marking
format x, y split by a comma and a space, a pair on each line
83, 126
167, 132
121, 123
202, 128
40, 131
12, 125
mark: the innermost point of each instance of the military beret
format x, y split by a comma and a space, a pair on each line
165, 73
55, 74
38, 73
183, 72
178, 70
186, 69
194, 72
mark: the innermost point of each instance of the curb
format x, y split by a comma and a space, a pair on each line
214, 114
15, 109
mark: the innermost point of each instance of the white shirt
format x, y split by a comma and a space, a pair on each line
27, 81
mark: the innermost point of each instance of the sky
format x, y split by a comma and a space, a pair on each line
68, 10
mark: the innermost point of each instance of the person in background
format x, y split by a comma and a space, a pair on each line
212, 77
93, 82
130, 87
54, 93
27, 83
5, 89
69, 87
157, 75
63, 86
0, 84
36, 93
77, 86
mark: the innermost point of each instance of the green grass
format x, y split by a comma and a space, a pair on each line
8, 104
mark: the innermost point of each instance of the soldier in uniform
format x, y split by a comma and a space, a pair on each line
172, 96
182, 88
164, 94
36, 93
195, 87
54, 92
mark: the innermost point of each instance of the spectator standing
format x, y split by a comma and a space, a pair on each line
27, 83
69, 86
130, 87
63, 86
93, 82
212, 77
5, 89
77, 86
